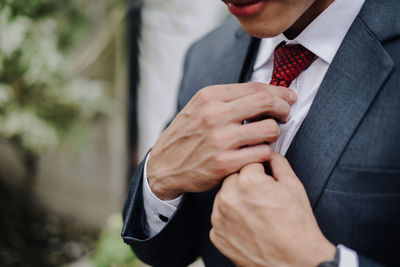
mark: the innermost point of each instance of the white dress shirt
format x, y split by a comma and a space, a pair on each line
323, 37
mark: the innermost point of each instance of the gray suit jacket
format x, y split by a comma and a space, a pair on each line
346, 153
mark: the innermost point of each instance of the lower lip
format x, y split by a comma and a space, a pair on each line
245, 10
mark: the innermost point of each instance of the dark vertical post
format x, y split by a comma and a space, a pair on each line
133, 34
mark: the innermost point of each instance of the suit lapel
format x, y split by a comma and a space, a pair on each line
251, 57
231, 55
237, 59
358, 71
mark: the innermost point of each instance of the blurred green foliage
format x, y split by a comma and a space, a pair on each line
41, 97
111, 251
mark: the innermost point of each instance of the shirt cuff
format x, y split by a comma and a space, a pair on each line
158, 211
348, 257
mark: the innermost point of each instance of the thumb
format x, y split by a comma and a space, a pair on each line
281, 169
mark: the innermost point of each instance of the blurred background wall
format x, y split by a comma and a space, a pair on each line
86, 87
169, 27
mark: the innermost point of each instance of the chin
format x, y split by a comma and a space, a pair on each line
262, 30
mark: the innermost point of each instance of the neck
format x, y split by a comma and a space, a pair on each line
311, 13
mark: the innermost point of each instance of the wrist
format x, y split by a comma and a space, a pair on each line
319, 252
333, 262
162, 189
159, 185
325, 253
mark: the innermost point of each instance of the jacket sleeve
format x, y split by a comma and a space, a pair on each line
174, 245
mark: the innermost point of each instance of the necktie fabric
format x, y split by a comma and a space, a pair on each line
289, 62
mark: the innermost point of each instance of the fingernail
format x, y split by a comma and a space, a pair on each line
292, 97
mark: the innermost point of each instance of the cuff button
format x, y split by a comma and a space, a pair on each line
163, 218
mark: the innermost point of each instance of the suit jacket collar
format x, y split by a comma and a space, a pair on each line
357, 73
382, 19
237, 51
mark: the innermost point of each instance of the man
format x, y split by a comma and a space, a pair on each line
203, 190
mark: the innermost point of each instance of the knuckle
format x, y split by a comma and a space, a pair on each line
213, 237
282, 93
184, 114
245, 180
272, 127
286, 108
203, 95
286, 94
258, 87
276, 104
225, 110
221, 164
215, 218
275, 129
265, 99
208, 118
216, 141
266, 153
224, 202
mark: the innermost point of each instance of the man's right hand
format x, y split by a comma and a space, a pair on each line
208, 141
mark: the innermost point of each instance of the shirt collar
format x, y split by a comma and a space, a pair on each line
323, 36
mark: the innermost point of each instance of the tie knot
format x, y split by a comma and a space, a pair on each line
289, 62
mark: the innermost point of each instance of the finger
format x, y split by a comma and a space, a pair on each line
228, 248
264, 131
224, 201
216, 218
217, 240
280, 167
255, 171
237, 159
234, 136
231, 92
252, 168
259, 104
227, 187
228, 92
220, 243
213, 236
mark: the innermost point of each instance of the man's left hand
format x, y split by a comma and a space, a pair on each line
262, 220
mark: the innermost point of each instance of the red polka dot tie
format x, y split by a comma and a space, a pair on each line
289, 62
